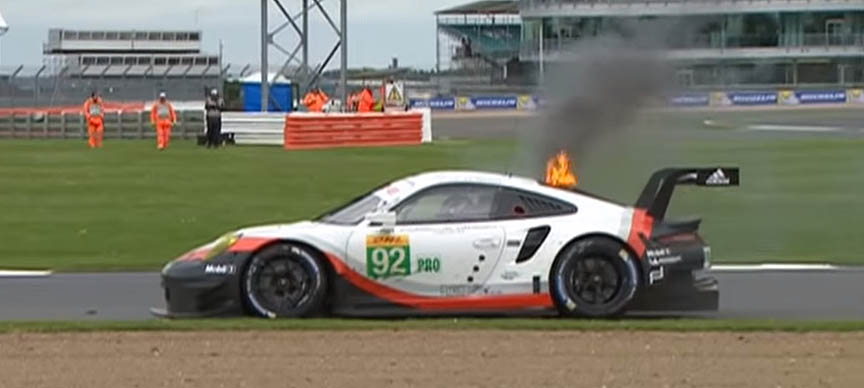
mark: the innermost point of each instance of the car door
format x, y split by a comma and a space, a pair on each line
443, 244
527, 220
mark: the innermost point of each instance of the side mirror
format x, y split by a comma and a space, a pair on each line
383, 219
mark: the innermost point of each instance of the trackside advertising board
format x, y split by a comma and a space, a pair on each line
445, 103
788, 97
689, 99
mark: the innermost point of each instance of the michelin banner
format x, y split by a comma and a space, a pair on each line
743, 98
788, 97
689, 99
446, 103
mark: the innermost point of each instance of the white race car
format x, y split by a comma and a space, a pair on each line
459, 242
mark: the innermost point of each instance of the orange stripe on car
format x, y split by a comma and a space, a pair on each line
640, 227
248, 244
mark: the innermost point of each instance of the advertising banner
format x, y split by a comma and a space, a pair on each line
690, 99
527, 102
464, 103
498, 102
752, 98
787, 97
821, 96
445, 103
855, 96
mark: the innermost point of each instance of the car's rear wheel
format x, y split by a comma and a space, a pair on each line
595, 278
284, 280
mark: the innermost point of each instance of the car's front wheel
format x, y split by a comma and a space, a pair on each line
284, 280
595, 278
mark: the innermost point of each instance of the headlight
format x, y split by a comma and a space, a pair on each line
221, 245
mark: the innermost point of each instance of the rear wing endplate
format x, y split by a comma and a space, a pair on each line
658, 191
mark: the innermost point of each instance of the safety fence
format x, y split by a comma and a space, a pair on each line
303, 131
134, 124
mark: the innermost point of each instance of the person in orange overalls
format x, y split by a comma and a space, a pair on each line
163, 117
315, 100
366, 101
94, 112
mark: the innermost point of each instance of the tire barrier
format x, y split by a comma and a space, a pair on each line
311, 130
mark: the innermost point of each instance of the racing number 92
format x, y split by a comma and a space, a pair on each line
387, 256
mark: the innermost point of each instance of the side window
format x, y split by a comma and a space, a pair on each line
448, 203
520, 204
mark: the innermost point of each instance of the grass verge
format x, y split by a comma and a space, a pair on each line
129, 207
241, 324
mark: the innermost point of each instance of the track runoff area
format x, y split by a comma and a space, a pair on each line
810, 290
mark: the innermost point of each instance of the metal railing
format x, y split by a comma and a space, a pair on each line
45, 85
716, 41
118, 125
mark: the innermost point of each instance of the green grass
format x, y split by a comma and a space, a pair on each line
676, 325
129, 207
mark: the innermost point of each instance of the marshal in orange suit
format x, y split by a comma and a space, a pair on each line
163, 117
94, 112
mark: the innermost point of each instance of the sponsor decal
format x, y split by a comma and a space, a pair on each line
387, 256
219, 269
509, 275
429, 264
459, 290
718, 177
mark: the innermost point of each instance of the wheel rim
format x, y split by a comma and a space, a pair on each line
282, 284
595, 281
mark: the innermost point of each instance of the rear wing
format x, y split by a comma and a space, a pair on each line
658, 192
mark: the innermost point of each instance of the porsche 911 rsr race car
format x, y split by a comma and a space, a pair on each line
459, 242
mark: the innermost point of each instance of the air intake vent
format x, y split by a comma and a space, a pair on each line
532, 243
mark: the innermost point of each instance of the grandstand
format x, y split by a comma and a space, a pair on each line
717, 43
481, 34
128, 54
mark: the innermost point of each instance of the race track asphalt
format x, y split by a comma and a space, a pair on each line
810, 294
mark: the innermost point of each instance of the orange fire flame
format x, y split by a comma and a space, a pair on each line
558, 171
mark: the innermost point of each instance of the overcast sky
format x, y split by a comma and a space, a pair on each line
378, 29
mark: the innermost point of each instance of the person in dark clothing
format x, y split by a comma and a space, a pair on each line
213, 107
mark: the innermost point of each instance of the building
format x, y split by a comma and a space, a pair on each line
725, 43
480, 35
712, 43
128, 54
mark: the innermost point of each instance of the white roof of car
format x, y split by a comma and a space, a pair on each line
457, 176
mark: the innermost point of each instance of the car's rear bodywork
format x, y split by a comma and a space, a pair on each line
498, 264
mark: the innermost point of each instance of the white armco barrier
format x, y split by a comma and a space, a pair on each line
255, 127
269, 128
427, 123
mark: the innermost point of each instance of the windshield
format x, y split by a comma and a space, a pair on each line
354, 211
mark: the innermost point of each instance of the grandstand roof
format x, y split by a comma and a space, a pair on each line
484, 7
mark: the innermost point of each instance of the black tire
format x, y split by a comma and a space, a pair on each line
284, 280
594, 278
